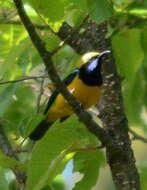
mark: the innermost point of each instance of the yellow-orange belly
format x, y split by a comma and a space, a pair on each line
87, 95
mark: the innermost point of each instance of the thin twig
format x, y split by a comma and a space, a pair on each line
87, 148
136, 136
40, 27
41, 91
8, 122
23, 79
46, 24
20, 150
36, 89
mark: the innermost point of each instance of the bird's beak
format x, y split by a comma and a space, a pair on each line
104, 52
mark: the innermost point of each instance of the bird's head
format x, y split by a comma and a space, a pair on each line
90, 71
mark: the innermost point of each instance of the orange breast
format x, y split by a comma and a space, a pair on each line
87, 95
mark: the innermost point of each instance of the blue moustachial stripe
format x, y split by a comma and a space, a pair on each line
75, 71
93, 64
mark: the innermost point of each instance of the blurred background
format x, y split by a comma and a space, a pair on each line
30, 90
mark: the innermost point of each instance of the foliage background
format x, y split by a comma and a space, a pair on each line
18, 101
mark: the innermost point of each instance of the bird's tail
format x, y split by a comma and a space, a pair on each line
40, 130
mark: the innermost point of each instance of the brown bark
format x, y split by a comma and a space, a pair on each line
122, 164
112, 113
115, 133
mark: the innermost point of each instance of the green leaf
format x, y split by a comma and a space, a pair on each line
144, 40
3, 182
134, 98
52, 40
51, 11
20, 107
128, 52
143, 176
100, 10
6, 97
11, 44
8, 73
128, 61
64, 62
88, 163
144, 68
25, 55
49, 152
80, 5
31, 123
139, 11
7, 162
122, 3
11, 36
56, 167
75, 17
58, 183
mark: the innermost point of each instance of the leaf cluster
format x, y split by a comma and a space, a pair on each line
18, 58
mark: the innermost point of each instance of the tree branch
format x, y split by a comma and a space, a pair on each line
122, 165
115, 136
7, 149
23, 79
40, 27
46, 57
137, 136
124, 172
41, 91
88, 148
93, 39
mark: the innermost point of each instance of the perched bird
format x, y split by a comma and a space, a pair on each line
85, 83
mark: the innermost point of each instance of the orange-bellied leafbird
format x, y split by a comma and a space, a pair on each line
85, 83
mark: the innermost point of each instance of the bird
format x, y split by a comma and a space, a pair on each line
85, 83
